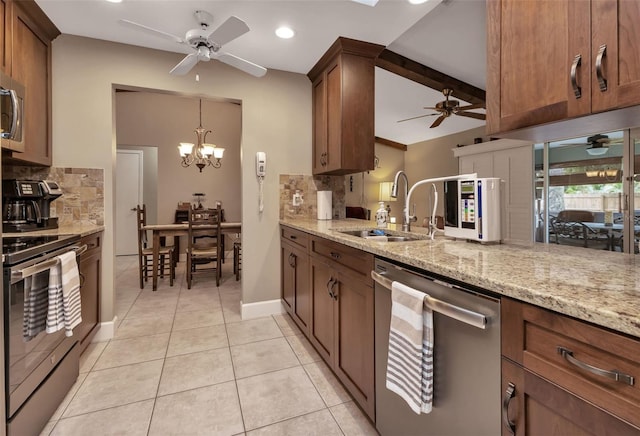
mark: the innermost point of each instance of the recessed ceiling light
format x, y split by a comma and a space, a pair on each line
285, 32
114, 1
417, 2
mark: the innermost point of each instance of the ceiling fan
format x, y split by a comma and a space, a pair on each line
598, 144
447, 107
206, 43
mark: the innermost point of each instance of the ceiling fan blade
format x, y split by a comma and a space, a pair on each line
185, 65
472, 115
242, 64
151, 30
471, 106
228, 31
415, 118
438, 121
432, 108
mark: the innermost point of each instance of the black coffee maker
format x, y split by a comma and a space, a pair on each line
26, 205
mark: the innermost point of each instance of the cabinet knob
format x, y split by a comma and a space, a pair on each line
506, 400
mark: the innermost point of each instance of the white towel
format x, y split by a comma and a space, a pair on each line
64, 295
35, 306
410, 358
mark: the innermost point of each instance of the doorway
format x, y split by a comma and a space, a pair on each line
129, 188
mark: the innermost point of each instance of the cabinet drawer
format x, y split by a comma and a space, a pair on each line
297, 237
577, 356
93, 243
346, 259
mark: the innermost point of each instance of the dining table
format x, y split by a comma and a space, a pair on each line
182, 229
613, 230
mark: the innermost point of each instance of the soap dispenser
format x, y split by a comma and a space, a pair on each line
382, 216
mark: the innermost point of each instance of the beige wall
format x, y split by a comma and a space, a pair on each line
276, 118
164, 120
434, 158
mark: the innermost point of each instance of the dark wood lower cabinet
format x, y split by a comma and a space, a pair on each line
90, 266
342, 329
562, 375
534, 406
296, 292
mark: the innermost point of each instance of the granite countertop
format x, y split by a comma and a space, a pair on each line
80, 228
598, 286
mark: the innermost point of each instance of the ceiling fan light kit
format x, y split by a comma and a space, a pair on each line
206, 44
447, 107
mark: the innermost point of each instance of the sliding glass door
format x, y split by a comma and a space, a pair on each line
586, 191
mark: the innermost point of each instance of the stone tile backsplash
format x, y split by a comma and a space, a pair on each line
308, 187
83, 198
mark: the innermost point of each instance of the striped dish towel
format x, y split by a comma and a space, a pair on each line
410, 358
35, 306
64, 295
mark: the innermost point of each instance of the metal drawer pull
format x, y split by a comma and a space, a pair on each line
613, 374
335, 255
602, 52
506, 400
574, 80
293, 237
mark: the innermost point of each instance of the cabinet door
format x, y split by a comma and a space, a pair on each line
538, 407
320, 125
321, 332
288, 274
5, 37
529, 58
515, 167
354, 328
477, 163
90, 267
302, 292
30, 66
615, 26
334, 117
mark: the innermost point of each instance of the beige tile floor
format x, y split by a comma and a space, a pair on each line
184, 363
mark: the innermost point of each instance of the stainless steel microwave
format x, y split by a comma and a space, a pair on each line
11, 114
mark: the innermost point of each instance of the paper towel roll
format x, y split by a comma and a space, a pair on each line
324, 205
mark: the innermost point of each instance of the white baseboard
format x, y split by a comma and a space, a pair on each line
106, 331
262, 308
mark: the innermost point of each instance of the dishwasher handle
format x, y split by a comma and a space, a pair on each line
470, 317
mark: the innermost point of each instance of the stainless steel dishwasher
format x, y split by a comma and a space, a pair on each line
466, 399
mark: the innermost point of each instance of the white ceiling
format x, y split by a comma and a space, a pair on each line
448, 37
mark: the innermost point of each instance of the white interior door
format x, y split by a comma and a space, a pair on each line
128, 196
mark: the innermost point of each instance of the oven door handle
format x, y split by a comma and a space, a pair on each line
23, 273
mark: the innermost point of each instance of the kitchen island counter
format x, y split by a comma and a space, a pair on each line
597, 286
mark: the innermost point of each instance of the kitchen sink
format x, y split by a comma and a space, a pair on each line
382, 235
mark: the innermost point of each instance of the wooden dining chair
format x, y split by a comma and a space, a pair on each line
203, 254
145, 252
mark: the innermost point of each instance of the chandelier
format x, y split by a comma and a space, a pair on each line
202, 153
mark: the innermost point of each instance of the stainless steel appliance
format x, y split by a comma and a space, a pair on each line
27, 205
466, 397
39, 369
11, 113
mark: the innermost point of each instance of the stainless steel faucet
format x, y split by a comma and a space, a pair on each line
406, 226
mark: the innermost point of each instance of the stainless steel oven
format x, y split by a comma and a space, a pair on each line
40, 368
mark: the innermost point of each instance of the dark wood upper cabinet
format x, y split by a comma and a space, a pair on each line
343, 108
547, 60
29, 63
